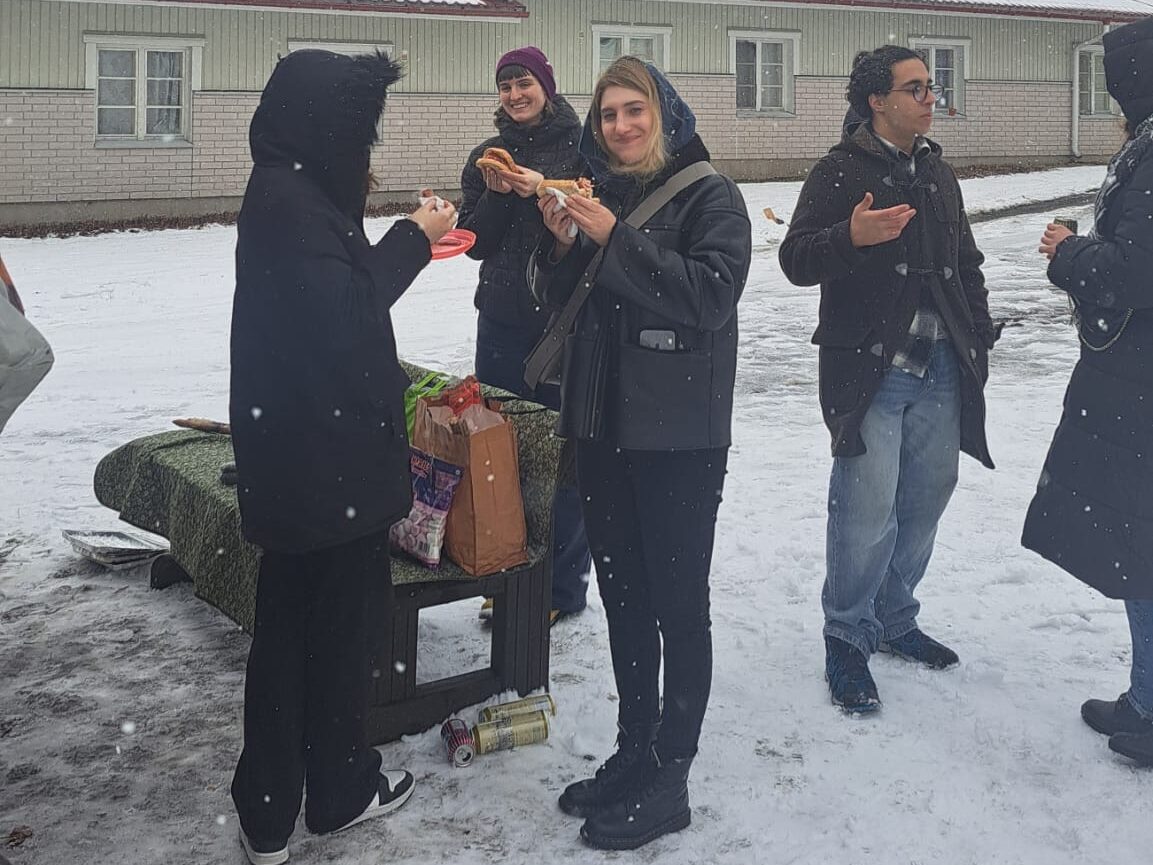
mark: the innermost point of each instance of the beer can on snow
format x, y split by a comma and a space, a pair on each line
539, 703
458, 742
511, 732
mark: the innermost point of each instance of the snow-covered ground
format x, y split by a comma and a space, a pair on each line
120, 707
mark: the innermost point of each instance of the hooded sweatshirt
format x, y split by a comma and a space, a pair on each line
316, 390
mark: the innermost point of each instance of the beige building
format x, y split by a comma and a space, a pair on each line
122, 108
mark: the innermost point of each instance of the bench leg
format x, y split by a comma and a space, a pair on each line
165, 572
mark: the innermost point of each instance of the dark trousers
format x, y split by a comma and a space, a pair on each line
319, 617
501, 351
651, 519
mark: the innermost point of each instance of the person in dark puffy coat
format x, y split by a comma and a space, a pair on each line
647, 393
1093, 510
318, 429
540, 130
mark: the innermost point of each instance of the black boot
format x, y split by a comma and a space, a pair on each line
658, 806
1112, 717
613, 779
1135, 746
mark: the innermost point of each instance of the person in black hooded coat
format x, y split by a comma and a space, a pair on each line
1093, 510
540, 131
647, 393
318, 430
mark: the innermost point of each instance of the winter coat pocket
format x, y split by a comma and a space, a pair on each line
663, 399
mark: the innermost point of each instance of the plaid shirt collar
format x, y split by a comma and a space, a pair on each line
921, 148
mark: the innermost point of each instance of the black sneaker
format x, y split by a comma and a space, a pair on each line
612, 781
395, 788
1135, 746
851, 686
1111, 718
920, 647
262, 852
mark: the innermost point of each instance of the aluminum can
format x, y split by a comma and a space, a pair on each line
540, 703
512, 732
458, 742
1067, 221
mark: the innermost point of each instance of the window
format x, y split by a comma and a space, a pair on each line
946, 62
143, 87
764, 66
1093, 95
612, 41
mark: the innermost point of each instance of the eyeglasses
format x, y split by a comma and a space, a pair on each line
920, 91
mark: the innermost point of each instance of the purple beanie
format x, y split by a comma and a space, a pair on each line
532, 59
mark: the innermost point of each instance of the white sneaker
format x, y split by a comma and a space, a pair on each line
395, 788
263, 856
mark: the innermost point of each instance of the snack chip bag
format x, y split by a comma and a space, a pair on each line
421, 533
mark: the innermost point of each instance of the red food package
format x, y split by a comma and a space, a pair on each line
459, 397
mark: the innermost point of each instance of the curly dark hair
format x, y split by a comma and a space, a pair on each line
873, 73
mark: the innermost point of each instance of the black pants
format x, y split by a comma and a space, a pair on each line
501, 351
651, 519
319, 618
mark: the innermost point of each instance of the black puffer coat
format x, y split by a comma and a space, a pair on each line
1093, 511
682, 274
867, 298
509, 227
317, 393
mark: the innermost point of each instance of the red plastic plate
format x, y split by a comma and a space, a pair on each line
455, 242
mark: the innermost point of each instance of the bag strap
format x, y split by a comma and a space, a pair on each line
549, 348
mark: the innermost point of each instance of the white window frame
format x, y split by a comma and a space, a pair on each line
192, 47
1109, 109
791, 41
964, 48
662, 35
349, 49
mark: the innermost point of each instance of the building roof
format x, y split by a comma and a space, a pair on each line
1106, 11
462, 8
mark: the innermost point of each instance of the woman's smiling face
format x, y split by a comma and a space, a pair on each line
522, 98
628, 124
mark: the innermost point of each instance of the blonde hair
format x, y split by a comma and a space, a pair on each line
632, 74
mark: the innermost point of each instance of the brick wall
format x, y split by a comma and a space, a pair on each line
1004, 122
48, 156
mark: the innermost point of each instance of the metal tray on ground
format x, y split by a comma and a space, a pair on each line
115, 549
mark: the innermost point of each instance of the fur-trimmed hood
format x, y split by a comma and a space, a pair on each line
318, 114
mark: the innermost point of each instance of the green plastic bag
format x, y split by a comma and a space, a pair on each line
430, 385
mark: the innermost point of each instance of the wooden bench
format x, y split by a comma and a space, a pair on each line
169, 484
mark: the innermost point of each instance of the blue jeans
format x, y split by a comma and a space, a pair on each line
501, 351
884, 505
1141, 677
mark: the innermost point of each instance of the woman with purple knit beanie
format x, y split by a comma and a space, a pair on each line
540, 130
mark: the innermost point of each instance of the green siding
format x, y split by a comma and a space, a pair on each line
41, 41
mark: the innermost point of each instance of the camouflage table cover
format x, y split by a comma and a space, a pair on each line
169, 484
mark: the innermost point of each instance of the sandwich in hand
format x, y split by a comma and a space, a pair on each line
498, 159
582, 187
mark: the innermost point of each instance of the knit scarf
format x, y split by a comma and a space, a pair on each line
1120, 169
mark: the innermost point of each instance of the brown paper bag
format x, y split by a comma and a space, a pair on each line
486, 528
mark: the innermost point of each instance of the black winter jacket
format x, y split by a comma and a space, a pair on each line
679, 276
317, 394
1093, 510
868, 299
508, 227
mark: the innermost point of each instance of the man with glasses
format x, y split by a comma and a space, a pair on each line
904, 335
